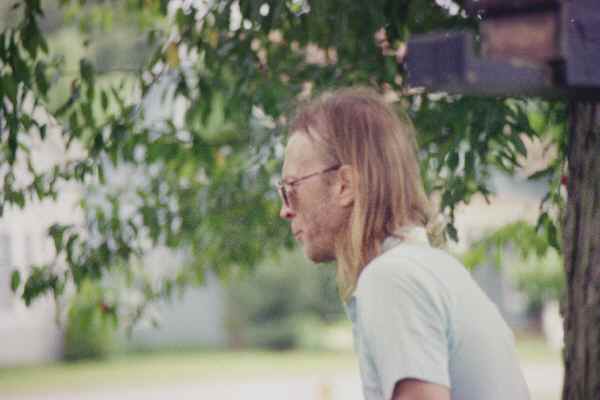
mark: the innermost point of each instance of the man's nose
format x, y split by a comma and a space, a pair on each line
286, 212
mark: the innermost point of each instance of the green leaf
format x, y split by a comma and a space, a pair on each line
452, 232
40, 78
43, 44
537, 121
18, 65
519, 145
30, 35
474, 257
39, 282
453, 159
75, 93
19, 199
15, 280
104, 100
69, 247
552, 234
542, 221
42, 130
10, 88
470, 163
86, 69
56, 231
541, 173
2, 45
446, 199
13, 132
39, 189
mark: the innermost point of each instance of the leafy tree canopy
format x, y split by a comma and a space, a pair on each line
206, 168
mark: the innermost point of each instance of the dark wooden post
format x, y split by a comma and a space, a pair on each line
581, 233
547, 48
581, 236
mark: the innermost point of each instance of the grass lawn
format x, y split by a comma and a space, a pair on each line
161, 368
169, 367
533, 349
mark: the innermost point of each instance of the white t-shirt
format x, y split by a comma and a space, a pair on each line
417, 313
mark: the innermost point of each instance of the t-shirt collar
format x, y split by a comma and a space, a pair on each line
408, 234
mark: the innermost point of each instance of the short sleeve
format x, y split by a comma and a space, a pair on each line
404, 321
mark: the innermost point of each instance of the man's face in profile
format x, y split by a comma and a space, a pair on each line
310, 208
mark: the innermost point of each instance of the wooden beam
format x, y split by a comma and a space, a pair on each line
492, 7
536, 50
530, 37
445, 62
581, 43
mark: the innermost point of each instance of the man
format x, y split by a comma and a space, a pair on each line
352, 193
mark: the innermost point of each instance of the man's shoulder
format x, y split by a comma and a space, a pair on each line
410, 258
410, 264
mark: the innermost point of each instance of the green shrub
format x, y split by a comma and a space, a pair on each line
280, 302
90, 326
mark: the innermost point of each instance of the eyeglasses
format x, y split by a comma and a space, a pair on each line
284, 192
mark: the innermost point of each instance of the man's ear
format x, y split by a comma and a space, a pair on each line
347, 184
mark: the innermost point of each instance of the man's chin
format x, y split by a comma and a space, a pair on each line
317, 257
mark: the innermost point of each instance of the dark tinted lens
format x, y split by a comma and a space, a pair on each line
284, 196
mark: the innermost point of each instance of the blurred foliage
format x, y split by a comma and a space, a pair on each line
200, 177
525, 239
540, 278
91, 325
282, 303
531, 262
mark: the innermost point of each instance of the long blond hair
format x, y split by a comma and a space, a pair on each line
358, 128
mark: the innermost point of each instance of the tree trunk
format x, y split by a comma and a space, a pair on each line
581, 237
